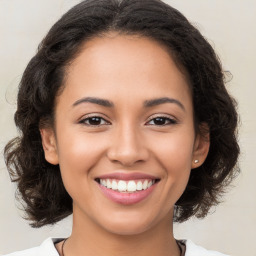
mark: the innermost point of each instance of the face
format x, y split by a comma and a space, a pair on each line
124, 134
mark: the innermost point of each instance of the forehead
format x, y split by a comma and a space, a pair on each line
115, 49
124, 64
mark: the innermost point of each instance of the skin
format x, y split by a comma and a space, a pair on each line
126, 70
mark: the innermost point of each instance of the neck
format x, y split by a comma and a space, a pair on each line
88, 238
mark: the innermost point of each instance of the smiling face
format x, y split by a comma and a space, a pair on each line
124, 135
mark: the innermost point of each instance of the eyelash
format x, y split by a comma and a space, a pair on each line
83, 121
170, 121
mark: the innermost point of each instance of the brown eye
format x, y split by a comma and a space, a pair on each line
94, 121
161, 121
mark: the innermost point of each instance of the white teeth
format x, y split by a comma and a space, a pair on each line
109, 184
139, 185
131, 186
127, 186
145, 185
114, 185
121, 186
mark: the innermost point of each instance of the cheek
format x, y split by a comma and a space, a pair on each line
77, 157
79, 149
175, 151
78, 154
175, 156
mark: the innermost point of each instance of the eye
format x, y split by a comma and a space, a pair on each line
94, 121
161, 121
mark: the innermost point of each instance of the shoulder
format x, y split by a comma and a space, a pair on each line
195, 250
46, 248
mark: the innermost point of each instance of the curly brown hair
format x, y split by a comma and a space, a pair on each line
39, 183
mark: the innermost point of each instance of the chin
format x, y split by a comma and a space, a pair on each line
126, 229
128, 225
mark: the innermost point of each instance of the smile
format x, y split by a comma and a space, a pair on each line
129, 186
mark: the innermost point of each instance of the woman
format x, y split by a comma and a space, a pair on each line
126, 123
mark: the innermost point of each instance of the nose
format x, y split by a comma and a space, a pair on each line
127, 147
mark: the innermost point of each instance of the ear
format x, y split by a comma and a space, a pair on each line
201, 146
49, 145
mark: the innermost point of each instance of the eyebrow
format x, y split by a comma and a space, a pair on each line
159, 101
147, 103
99, 101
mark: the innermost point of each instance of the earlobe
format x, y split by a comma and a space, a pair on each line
49, 145
201, 146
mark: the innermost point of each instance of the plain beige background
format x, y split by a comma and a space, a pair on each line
230, 26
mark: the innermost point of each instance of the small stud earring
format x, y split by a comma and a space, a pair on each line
196, 161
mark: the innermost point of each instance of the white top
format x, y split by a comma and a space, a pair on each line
47, 248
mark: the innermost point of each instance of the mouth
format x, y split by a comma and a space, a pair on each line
127, 186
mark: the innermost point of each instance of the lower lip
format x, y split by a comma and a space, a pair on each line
126, 198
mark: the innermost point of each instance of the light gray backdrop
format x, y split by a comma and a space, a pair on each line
230, 27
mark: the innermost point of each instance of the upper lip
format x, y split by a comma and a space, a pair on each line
127, 176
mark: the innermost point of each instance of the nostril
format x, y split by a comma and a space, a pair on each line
127, 153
